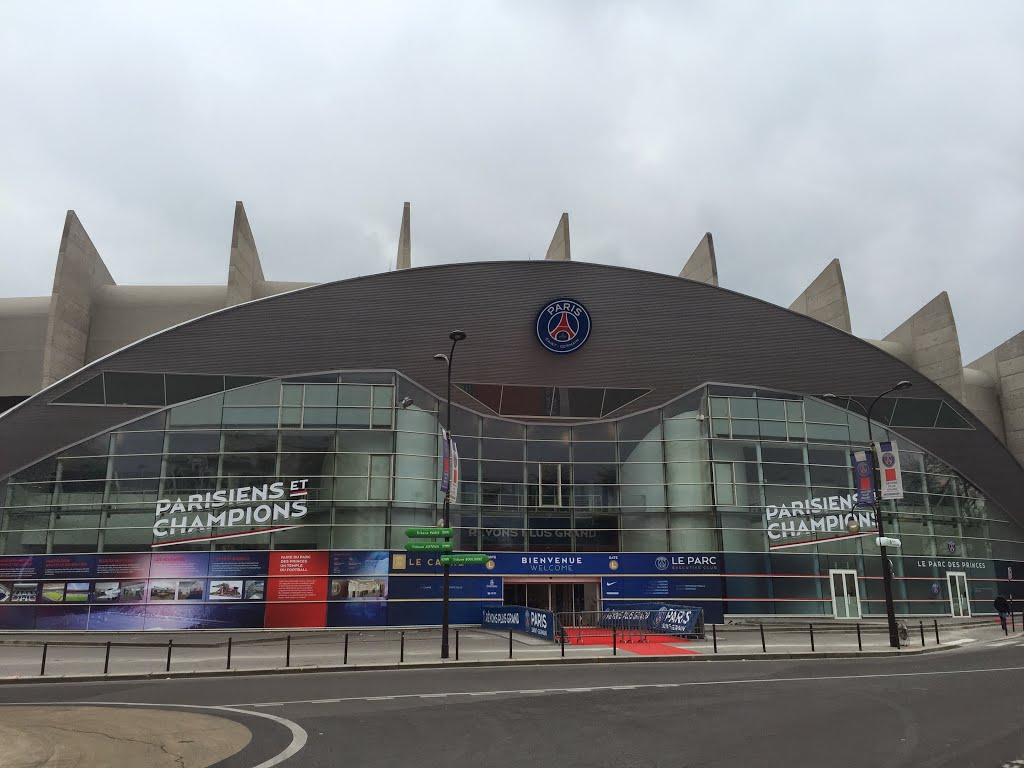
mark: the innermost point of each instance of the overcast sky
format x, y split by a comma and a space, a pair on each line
889, 135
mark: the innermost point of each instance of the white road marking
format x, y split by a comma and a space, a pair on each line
640, 686
299, 736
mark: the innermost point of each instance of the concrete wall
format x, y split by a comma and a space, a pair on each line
23, 324
122, 314
702, 266
80, 271
930, 335
825, 298
981, 395
1005, 366
404, 259
245, 273
558, 250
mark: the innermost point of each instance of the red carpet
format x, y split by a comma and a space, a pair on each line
630, 642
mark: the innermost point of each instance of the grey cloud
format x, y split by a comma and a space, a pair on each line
885, 135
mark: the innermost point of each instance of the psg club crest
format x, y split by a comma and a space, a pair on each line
563, 325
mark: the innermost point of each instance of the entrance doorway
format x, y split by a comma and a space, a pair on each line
845, 594
959, 602
555, 596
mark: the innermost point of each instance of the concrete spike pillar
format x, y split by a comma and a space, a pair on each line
825, 298
80, 272
1004, 366
931, 338
404, 260
559, 248
702, 266
245, 273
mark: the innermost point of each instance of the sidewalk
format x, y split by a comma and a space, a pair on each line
24, 657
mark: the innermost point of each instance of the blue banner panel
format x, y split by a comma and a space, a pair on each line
179, 565
670, 619
669, 587
204, 616
527, 621
130, 566
359, 563
27, 567
117, 618
18, 617
430, 587
69, 566
74, 617
238, 564
357, 614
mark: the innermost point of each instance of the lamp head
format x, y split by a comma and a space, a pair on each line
406, 402
442, 358
853, 526
902, 385
830, 396
459, 336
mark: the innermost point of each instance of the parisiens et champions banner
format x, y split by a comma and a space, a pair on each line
260, 508
810, 521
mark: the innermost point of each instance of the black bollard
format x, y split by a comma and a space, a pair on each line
615, 641
42, 667
811, 628
344, 659
764, 648
229, 654
714, 637
401, 647
170, 646
936, 631
456, 645
563, 643
860, 646
288, 651
106, 659
922, 633
510, 643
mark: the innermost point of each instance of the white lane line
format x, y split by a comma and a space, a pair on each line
325, 701
640, 686
299, 736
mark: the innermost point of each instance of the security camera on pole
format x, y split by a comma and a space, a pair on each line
446, 483
872, 487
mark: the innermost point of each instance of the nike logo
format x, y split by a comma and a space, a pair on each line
610, 583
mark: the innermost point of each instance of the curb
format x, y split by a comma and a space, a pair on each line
800, 655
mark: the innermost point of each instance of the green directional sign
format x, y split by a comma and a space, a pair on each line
428, 546
428, 533
464, 559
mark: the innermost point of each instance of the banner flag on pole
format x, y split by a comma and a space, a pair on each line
453, 491
889, 464
446, 461
863, 478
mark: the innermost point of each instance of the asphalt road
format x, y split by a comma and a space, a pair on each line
961, 708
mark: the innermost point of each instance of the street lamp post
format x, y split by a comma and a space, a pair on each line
890, 608
456, 337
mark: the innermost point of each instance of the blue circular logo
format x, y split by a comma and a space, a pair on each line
563, 325
661, 563
888, 459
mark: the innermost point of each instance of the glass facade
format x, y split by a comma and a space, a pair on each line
728, 470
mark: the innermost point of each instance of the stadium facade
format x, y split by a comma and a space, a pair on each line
252, 454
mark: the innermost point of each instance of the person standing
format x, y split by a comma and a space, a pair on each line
1003, 608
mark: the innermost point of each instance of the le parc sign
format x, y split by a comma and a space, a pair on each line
269, 507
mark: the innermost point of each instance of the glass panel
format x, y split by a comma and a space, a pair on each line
912, 412
617, 398
91, 392
137, 442
97, 446
254, 441
193, 442
134, 388
773, 430
354, 396
321, 395
256, 417
743, 408
267, 393
291, 394
181, 387
202, 413
382, 418
383, 397
950, 419
794, 410
354, 417
720, 407
291, 417
318, 417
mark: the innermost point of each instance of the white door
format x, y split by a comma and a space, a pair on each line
959, 602
845, 594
